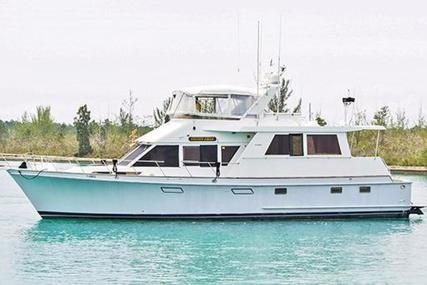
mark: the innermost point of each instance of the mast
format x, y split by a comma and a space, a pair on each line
257, 64
278, 65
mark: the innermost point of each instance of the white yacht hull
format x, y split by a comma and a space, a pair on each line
62, 194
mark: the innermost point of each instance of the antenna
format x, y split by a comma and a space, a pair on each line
278, 65
238, 42
257, 64
347, 101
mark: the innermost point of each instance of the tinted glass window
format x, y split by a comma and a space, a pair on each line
279, 145
204, 155
162, 155
227, 153
296, 147
191, 155
209, 155
323, 144
133, 154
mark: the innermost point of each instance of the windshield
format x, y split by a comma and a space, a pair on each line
133, 154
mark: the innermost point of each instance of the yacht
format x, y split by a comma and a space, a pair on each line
223, 155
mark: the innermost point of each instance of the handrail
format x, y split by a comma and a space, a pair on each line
209, 163
22, 156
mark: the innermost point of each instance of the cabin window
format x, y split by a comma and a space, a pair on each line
204, 155
191, 155
208, 155
160, 155
296, 147
227, 153
323, 144
286, 144
239, 104
205, 105
133, 154
279, 145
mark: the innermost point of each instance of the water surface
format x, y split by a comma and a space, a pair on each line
35, 251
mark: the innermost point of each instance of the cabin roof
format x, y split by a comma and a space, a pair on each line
217, 90
293, 128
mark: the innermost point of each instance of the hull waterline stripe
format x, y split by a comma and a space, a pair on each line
306, 215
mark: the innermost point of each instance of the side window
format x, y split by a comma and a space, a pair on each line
208, 155
279, 145
204, 155
227, 153
323, 144
161, 155
191, 155
296, 147
286, 144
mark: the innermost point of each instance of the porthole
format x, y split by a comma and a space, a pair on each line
280, 191
336, 190
365, 189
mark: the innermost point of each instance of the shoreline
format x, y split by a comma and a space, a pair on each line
397, 169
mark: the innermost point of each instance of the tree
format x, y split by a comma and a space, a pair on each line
401, 119
320, 121
126, 116
297, 108
360, 118
81, 123
3, 131
42, 121
159, 114
279, 104
382, 117
421, 121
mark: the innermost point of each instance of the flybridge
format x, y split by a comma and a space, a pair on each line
212, 102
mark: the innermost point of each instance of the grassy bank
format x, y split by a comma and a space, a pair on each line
62, 142
39, 134
406, 147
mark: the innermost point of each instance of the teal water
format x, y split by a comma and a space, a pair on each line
35, 251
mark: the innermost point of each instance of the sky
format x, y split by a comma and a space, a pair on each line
65, 54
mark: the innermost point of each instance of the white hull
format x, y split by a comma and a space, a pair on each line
62, 194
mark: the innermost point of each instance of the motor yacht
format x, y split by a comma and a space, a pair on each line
223, 155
